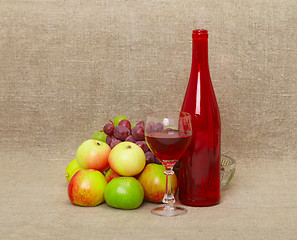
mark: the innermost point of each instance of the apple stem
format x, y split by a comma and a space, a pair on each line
168, 198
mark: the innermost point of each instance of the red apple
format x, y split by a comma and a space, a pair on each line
110, 174
87, 187
93, 154
153, 181
127, 159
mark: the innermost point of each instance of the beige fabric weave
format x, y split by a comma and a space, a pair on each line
68, 67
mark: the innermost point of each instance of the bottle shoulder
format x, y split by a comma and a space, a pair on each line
202, 105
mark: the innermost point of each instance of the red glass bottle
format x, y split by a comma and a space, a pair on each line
199, 174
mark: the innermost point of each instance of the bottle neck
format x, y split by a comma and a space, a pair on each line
200, 51
200, 47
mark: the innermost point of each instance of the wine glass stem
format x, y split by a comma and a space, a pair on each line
168, 198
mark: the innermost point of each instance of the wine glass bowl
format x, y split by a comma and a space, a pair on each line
168, 135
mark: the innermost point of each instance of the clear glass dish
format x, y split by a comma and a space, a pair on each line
227, 170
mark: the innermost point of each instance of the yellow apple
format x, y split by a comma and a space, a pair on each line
127, 159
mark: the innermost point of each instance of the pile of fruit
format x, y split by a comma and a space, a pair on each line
121, 130
117, 167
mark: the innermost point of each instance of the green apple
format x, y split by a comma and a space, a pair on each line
71, 169
100, 136
124, 193
127, 159
93, 154
118, 118
153, 181
87, 187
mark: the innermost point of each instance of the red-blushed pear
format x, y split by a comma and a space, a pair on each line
110, 174
86, 188
153, 181
93, 154
127, 159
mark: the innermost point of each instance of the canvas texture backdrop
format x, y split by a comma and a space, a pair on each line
68, 67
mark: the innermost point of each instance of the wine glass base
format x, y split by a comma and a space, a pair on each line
167, 211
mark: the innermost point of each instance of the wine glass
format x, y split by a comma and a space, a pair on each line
168, 135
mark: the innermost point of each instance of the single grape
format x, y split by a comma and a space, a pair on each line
114, 142
130, 138
170, 130
176, 169
121, 132
150, 125
141, 123
158, 161
143, 145
150, 157
109, 139
176, 164
117, 119
126, 123
100, 136
108, 129
138, 133
158, 127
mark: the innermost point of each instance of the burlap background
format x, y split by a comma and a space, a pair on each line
67, 67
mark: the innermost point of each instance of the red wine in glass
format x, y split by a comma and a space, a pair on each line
168, 135
168, 145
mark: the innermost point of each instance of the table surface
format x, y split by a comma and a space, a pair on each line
259, 203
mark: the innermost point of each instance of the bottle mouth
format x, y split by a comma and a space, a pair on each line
200, 33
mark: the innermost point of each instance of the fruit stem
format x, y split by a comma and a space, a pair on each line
168, 198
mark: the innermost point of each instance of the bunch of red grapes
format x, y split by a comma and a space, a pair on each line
123, 133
